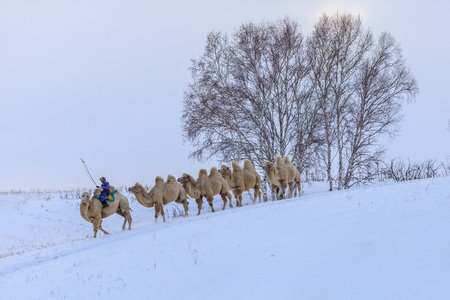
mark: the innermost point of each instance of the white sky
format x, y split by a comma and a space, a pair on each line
104, 81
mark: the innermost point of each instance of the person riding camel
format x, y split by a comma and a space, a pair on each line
105, 191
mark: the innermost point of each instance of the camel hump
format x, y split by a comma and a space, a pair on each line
213, 170
279, 160
159, 179
248, 165
97, 192
279, 163
235, 165
286, 159
202, 172
171, 178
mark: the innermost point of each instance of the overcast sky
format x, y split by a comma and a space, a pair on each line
104, 81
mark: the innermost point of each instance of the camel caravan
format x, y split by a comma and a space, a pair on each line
281, 174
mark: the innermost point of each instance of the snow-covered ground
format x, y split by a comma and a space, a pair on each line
386, 241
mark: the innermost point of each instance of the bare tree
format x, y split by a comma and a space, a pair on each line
359, 85
336, 47
249, 94
320, 56
382, 82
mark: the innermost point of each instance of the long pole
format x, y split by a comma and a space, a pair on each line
87, 170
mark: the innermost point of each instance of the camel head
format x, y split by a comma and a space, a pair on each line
86, 198
137, 187
224, 169
267, 166
185, 178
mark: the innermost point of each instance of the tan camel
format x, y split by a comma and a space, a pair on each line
281, 175
220, 186
161, 194
272, 176
242, 179
199, 188
91, 209
296, 182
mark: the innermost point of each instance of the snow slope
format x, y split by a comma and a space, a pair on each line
386, 241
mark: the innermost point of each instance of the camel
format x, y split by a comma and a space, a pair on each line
91, 209
220, 186
242, 179
161, 194
200, 188
271, 174
281, 175
296, 179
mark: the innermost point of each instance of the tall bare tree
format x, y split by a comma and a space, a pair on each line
346, 64
336, 47
381, 84
249, 94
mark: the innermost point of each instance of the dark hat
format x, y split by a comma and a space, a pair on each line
102, 179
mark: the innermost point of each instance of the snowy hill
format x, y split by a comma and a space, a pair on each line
387, 241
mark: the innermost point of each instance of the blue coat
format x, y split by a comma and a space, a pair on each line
105, 192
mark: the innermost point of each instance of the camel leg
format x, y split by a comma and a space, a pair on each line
124, 223
130, 220
186, 207
299, 188
163, 214
258, 194
199, 205
225, 200
157, 209
124, 212
97, 223
228, 195
283, 190
238, 195
274, 189
291, 189
126, 218
120, 213
210, 200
